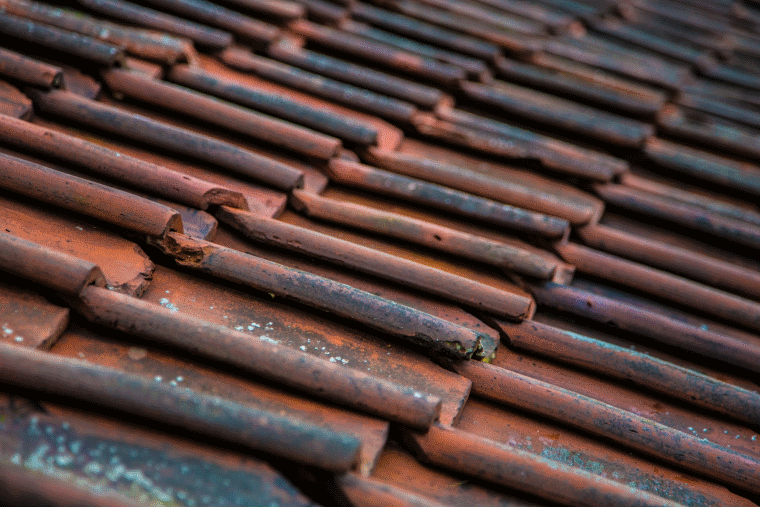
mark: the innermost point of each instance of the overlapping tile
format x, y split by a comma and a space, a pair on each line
262, 247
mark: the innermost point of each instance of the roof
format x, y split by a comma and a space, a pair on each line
398, 252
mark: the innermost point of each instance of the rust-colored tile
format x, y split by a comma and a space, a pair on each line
324, 11
101, 202
720, 431
677, 50
608, 412
357, 75
673, 328
719, 108
428, 32
125, 266
506, 465
220, 113
245, 27
475, 288
70, 43
601, 54
418, 329
262, 95
314, 374
262, 200
399, 469
557, 20
367, 492
476, 69
675, 257
662, 284
381, 53
202, 35
494, 181
557, 443
138, 42
28, 70
259, 315
425, 303
80, 83
167, 366
560, 113
348, 95
722, 204
112, 164
704, 165
681, 213
13, 103
555, 154
29, 319
388, 135
620, 96
252, 427
699, 127
425, 193
143, 129
510, 39
381, 221
490, 17
736, 398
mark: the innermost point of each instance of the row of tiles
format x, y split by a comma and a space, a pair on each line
169, 303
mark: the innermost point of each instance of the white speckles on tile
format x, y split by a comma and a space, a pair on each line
268, 339
168, 304
239, 328
303, 347
6, 329
19, 339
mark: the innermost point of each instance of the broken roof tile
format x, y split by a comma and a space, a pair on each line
124, 265
374, 128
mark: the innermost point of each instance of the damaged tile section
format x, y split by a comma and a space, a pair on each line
125, 266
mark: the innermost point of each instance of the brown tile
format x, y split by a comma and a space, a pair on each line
176, 369
29, 319
259, 315
125, 266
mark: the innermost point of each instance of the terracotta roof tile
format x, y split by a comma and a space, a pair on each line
382, 252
